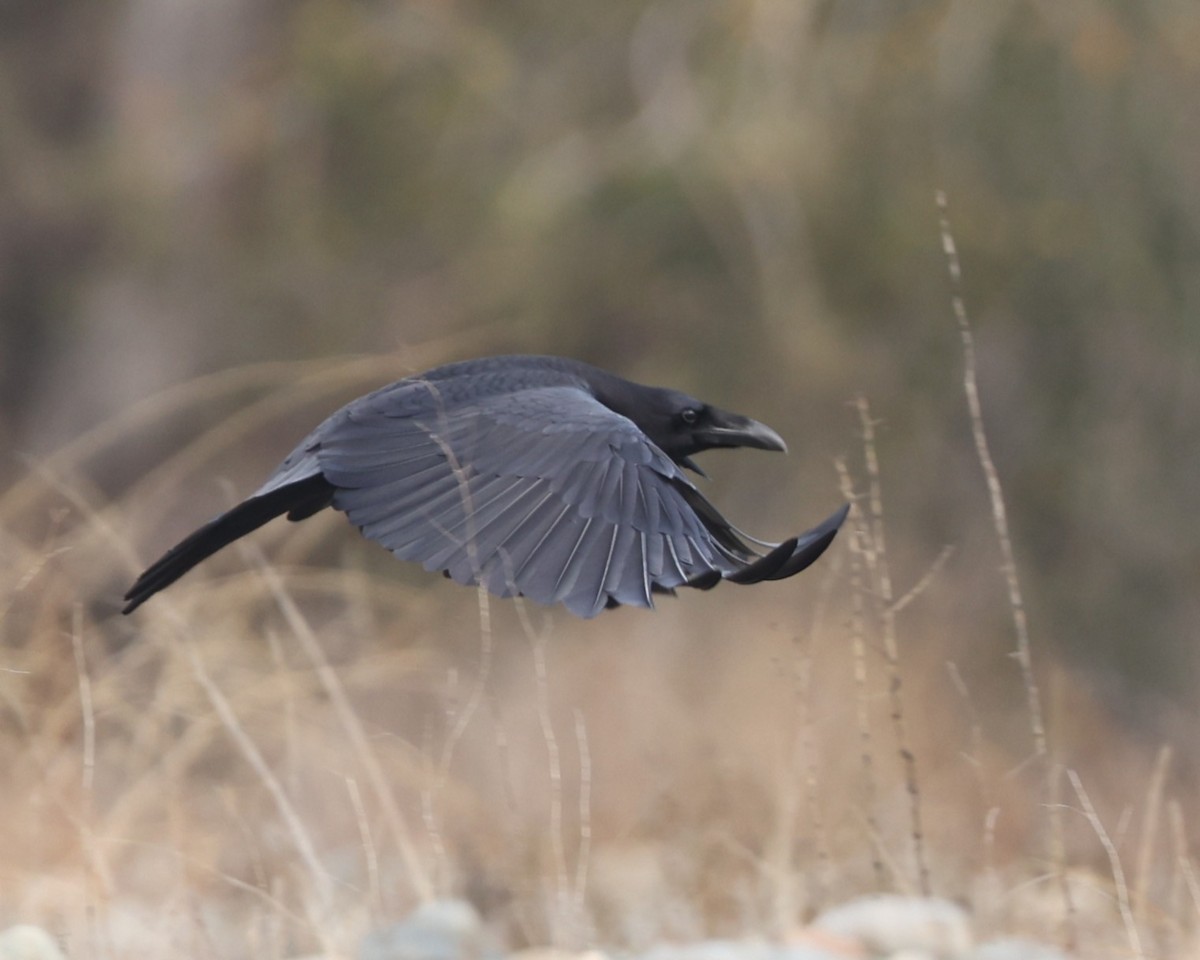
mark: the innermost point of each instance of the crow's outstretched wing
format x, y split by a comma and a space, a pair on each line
543, 492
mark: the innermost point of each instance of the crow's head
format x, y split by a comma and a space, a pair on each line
682, 426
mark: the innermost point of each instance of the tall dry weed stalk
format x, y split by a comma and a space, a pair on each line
875, 554
862, 699
1023, 652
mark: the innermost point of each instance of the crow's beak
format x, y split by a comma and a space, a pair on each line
734, 430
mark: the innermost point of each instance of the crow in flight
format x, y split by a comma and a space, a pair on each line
535, 476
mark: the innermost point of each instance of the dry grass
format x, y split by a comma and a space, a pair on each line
272, 757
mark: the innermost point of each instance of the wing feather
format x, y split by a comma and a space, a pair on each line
524, 544
475, 540
576, 585
626, 579
603, 586
678, 576
538, 575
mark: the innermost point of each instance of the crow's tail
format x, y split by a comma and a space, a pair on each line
298, 500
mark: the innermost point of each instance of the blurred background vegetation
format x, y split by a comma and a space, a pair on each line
735, 198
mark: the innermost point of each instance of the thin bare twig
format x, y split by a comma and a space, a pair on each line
975, 758
583, 861
800, 771
991, 813
352, 725
1183, 879
877, 565
466, 497
368, 842
254, 757
554, 763
1114, 864
824, 872
923, 584
1149, 838
1023, 652
992, 476
87, 709
87, 805
859, 645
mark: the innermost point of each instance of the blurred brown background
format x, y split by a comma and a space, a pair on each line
736, 198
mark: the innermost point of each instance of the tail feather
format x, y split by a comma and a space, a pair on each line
298, 500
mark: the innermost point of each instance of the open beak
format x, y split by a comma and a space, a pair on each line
734, 430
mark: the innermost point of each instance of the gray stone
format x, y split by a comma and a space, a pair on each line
438, 930
1013, 948
711, 950
889, 923
738, 950
27, 942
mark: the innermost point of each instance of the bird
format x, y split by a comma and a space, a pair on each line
537, 476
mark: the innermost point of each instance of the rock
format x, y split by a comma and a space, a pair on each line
711, 950
828, 951
438, 930
888, 924
27, 942
741, 950
1015, 949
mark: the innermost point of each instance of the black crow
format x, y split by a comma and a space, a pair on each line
536, 476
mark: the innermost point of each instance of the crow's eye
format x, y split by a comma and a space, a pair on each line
689, 416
